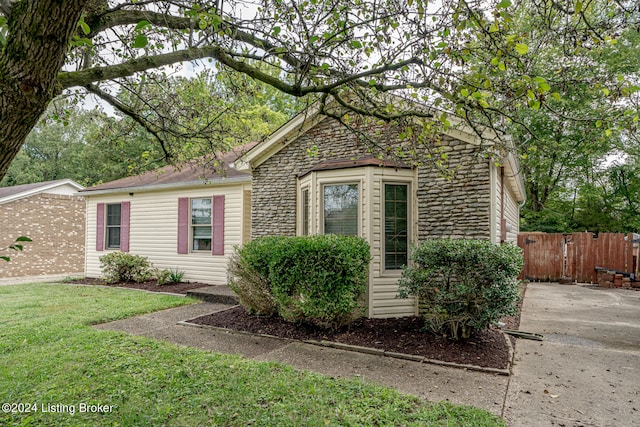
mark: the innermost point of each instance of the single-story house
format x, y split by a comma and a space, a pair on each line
188, 218
52, 215
315, 176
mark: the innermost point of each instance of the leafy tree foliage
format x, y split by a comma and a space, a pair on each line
467, 57
78, 147
15, 246
583, 113
200, 116
91, 147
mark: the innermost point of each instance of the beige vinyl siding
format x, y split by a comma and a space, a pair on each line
246, 215
511, 209
383, 285
154, 230
383, 301
496, 186
512, 214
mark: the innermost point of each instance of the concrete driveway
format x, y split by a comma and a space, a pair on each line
587, 370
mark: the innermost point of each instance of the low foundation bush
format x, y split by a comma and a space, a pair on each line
168, 276
249, 277
316, 279
122, 267
463, 285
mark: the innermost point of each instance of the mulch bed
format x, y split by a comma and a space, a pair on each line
151, 285
401, 335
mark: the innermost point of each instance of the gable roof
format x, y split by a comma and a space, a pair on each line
8, 194
312, 116
180, 176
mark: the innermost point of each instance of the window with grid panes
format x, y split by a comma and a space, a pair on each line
396, 226
113, 224
201, 224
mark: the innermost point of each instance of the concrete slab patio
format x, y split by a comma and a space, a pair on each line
585, 373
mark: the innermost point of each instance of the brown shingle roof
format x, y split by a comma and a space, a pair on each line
355, 163
189, 173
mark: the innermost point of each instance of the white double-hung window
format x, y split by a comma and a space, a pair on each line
112, 226
201, 224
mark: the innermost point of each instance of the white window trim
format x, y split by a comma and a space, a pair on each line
107, 227
304, 184
191, 225
315, 182
308, 219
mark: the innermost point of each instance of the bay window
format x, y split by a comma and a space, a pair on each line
341, 206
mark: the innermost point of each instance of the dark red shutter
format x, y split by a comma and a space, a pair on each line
183, 225
125, 219
100, 227
218, 225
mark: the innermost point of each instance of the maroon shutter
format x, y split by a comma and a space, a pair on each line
125, 219
218, 225
183, 225
100, 227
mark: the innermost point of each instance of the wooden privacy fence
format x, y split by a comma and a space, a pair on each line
575, 256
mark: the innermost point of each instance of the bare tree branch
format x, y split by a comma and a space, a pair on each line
5, 7
124, 109
120, 17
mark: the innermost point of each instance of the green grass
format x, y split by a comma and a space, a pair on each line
49, 355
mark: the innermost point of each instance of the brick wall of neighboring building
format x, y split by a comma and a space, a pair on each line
55, 223
455, 207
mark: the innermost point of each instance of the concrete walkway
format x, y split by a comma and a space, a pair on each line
586, 372
430, 382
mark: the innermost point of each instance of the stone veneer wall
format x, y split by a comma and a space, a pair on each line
459, 207
55, 223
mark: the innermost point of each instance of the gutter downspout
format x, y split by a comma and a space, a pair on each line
503, 220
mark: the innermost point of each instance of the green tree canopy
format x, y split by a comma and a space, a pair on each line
582, 114
468, 58
209, 112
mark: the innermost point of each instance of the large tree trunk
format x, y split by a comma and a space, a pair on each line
39, 35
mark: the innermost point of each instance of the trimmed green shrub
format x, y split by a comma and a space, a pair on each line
121, 267
249, 271
320, 279
316, 279
463, 285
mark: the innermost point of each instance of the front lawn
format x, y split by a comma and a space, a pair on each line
54, 365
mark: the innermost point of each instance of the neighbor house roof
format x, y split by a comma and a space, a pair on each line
178, 176
8, 194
